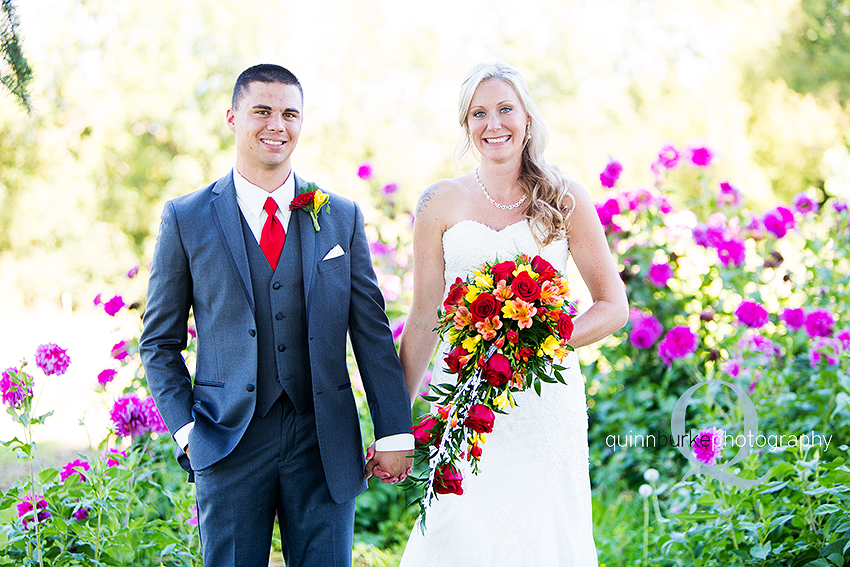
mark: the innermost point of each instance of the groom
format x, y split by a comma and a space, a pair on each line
269, 425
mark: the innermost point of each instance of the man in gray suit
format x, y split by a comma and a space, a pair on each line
268, 426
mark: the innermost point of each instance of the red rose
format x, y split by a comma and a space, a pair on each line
497, 371
525, 288
421, 431
480, 418
448, 480
453, 359
513, 337
484, 307
503, 271
302, 200
475, 452
565, 326
544, 269
456, 292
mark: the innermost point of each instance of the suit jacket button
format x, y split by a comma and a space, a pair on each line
250, 387
252, 332
279, 316
276, 285
281, 348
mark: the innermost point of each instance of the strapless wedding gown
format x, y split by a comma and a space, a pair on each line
530, 504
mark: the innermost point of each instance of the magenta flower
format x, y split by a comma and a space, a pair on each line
193, 333
81, 514
754, 228
609, 176
839, 206
759, 345
110, 462
193, 521
52, 359
679, 342
378, 248
843, 337
732, 252
794, 319
153, 419
119, 350
778, 220
804, 204
77, 466
708, 444
709, 235
606, 212
824, 349
397, 329
729, 195
129, 416
114, 305
752, 314
646, 330
97, 300
639, 199
106, 376
668, 156
15, 386
389, 189
659, 274
701, 156
25, 509
819, 323
732, 367
133, 272
364, 172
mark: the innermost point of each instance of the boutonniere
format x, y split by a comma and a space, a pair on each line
311, 199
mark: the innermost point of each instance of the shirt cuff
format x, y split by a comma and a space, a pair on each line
400, 442
181, 436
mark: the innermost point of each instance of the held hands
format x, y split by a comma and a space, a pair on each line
390, 466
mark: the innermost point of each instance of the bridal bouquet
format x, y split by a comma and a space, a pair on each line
507, 324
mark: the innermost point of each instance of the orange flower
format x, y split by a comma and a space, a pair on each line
520, 311
462, 318
488, 327
550, 294
503, 291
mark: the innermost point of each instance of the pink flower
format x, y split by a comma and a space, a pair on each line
731, 252
707, 445
114, 305
364, 172
15, 386
378, 248
389, 188
110, 462
752, 314
153, 419
129, 416
819, 323
701, 156
824, 348
119, 350
732, 367
81, 514
646, 330
843, 337
25, 509
794, 319
192, 332
193, 521
729, 195
606, 212
52, 359
106, 376
397, 329
668, 156
839, 206
639, 199
778, 220
97, 300
659, 274
679, 342
609, 176
804, 204
133, 272
77, 466
760, 345
754, 228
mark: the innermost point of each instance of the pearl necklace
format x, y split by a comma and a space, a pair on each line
494, 203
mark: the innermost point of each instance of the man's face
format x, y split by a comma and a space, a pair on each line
267, 123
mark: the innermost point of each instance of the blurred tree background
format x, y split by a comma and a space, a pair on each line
128, 103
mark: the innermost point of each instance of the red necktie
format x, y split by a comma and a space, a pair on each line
273, 235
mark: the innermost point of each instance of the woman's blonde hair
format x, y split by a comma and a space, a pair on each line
544, 184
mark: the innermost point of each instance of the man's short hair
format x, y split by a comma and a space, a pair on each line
263, 73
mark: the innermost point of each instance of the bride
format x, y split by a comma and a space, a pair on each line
531, 502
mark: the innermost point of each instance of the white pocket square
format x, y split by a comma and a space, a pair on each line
335, 252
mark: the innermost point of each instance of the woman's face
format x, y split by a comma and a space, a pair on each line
497, 121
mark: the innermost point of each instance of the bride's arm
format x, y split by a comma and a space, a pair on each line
418, 340
590, 251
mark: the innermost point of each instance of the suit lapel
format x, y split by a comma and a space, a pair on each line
225, 213
308, 247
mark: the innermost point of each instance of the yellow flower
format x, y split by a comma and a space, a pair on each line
319, 199
469, 343
472, 292
525, 268
550, 347
483, 280
478, 438
504, 400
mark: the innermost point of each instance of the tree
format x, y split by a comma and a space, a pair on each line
16, 73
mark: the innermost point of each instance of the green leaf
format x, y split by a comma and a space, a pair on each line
761, 551
697, 517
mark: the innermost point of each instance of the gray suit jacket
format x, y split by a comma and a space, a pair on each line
201, 264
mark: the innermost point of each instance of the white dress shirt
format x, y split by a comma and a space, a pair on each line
251, 200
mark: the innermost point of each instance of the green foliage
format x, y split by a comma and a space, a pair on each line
17, 73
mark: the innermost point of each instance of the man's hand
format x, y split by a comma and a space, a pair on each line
390, 466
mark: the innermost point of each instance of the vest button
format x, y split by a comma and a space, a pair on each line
252, 332
279, 316
249, 387
281, 348
276, 285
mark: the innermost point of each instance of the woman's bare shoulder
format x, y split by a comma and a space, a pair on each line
440, 195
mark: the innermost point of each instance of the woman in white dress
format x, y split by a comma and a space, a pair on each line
531, 503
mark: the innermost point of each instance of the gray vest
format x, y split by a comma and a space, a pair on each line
282, 355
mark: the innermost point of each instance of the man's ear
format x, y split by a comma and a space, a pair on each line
231, 120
